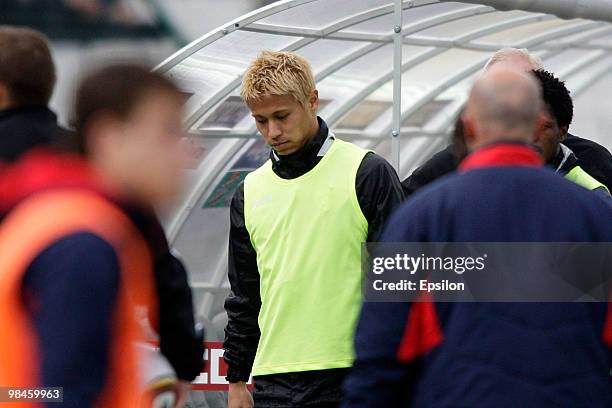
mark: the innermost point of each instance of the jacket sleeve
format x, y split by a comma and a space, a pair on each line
600, 167
379, 192
72, 314
180, 340
244, 302
594, 158
440, 164
378, 378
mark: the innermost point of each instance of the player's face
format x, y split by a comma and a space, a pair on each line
285, 124
548, 136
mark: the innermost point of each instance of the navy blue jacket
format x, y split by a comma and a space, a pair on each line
70, 288
78, 270
489, 354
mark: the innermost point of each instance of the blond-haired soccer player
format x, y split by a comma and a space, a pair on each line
297, 225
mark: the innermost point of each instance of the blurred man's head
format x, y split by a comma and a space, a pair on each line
129, 125
27, 72
279, 89
504, 105
514, 58
509, 58
557, 112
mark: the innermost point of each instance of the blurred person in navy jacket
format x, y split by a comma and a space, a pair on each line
74, 266
27, 79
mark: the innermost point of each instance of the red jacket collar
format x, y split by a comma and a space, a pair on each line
43, 169
502, 155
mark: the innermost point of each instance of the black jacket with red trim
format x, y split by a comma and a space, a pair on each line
489, 354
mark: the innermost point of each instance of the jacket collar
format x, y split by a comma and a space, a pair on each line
568, 160
502, 155
43, 169
298, 163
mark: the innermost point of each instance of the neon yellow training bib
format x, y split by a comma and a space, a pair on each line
307, 233
584, 179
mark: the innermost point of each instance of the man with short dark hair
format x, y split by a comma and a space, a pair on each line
27, 70
558, 112
27, 78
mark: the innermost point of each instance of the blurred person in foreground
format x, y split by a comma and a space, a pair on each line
297, 225
595, 159
27, 79
74, 266
428, 354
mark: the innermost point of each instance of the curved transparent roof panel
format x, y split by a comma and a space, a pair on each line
350, 45
459, 27
321, 14
414, 19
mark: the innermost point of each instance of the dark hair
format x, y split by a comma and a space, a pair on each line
116, 89
26, 66
556, 97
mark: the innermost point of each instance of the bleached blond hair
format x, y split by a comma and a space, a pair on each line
507, 53
278, 73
